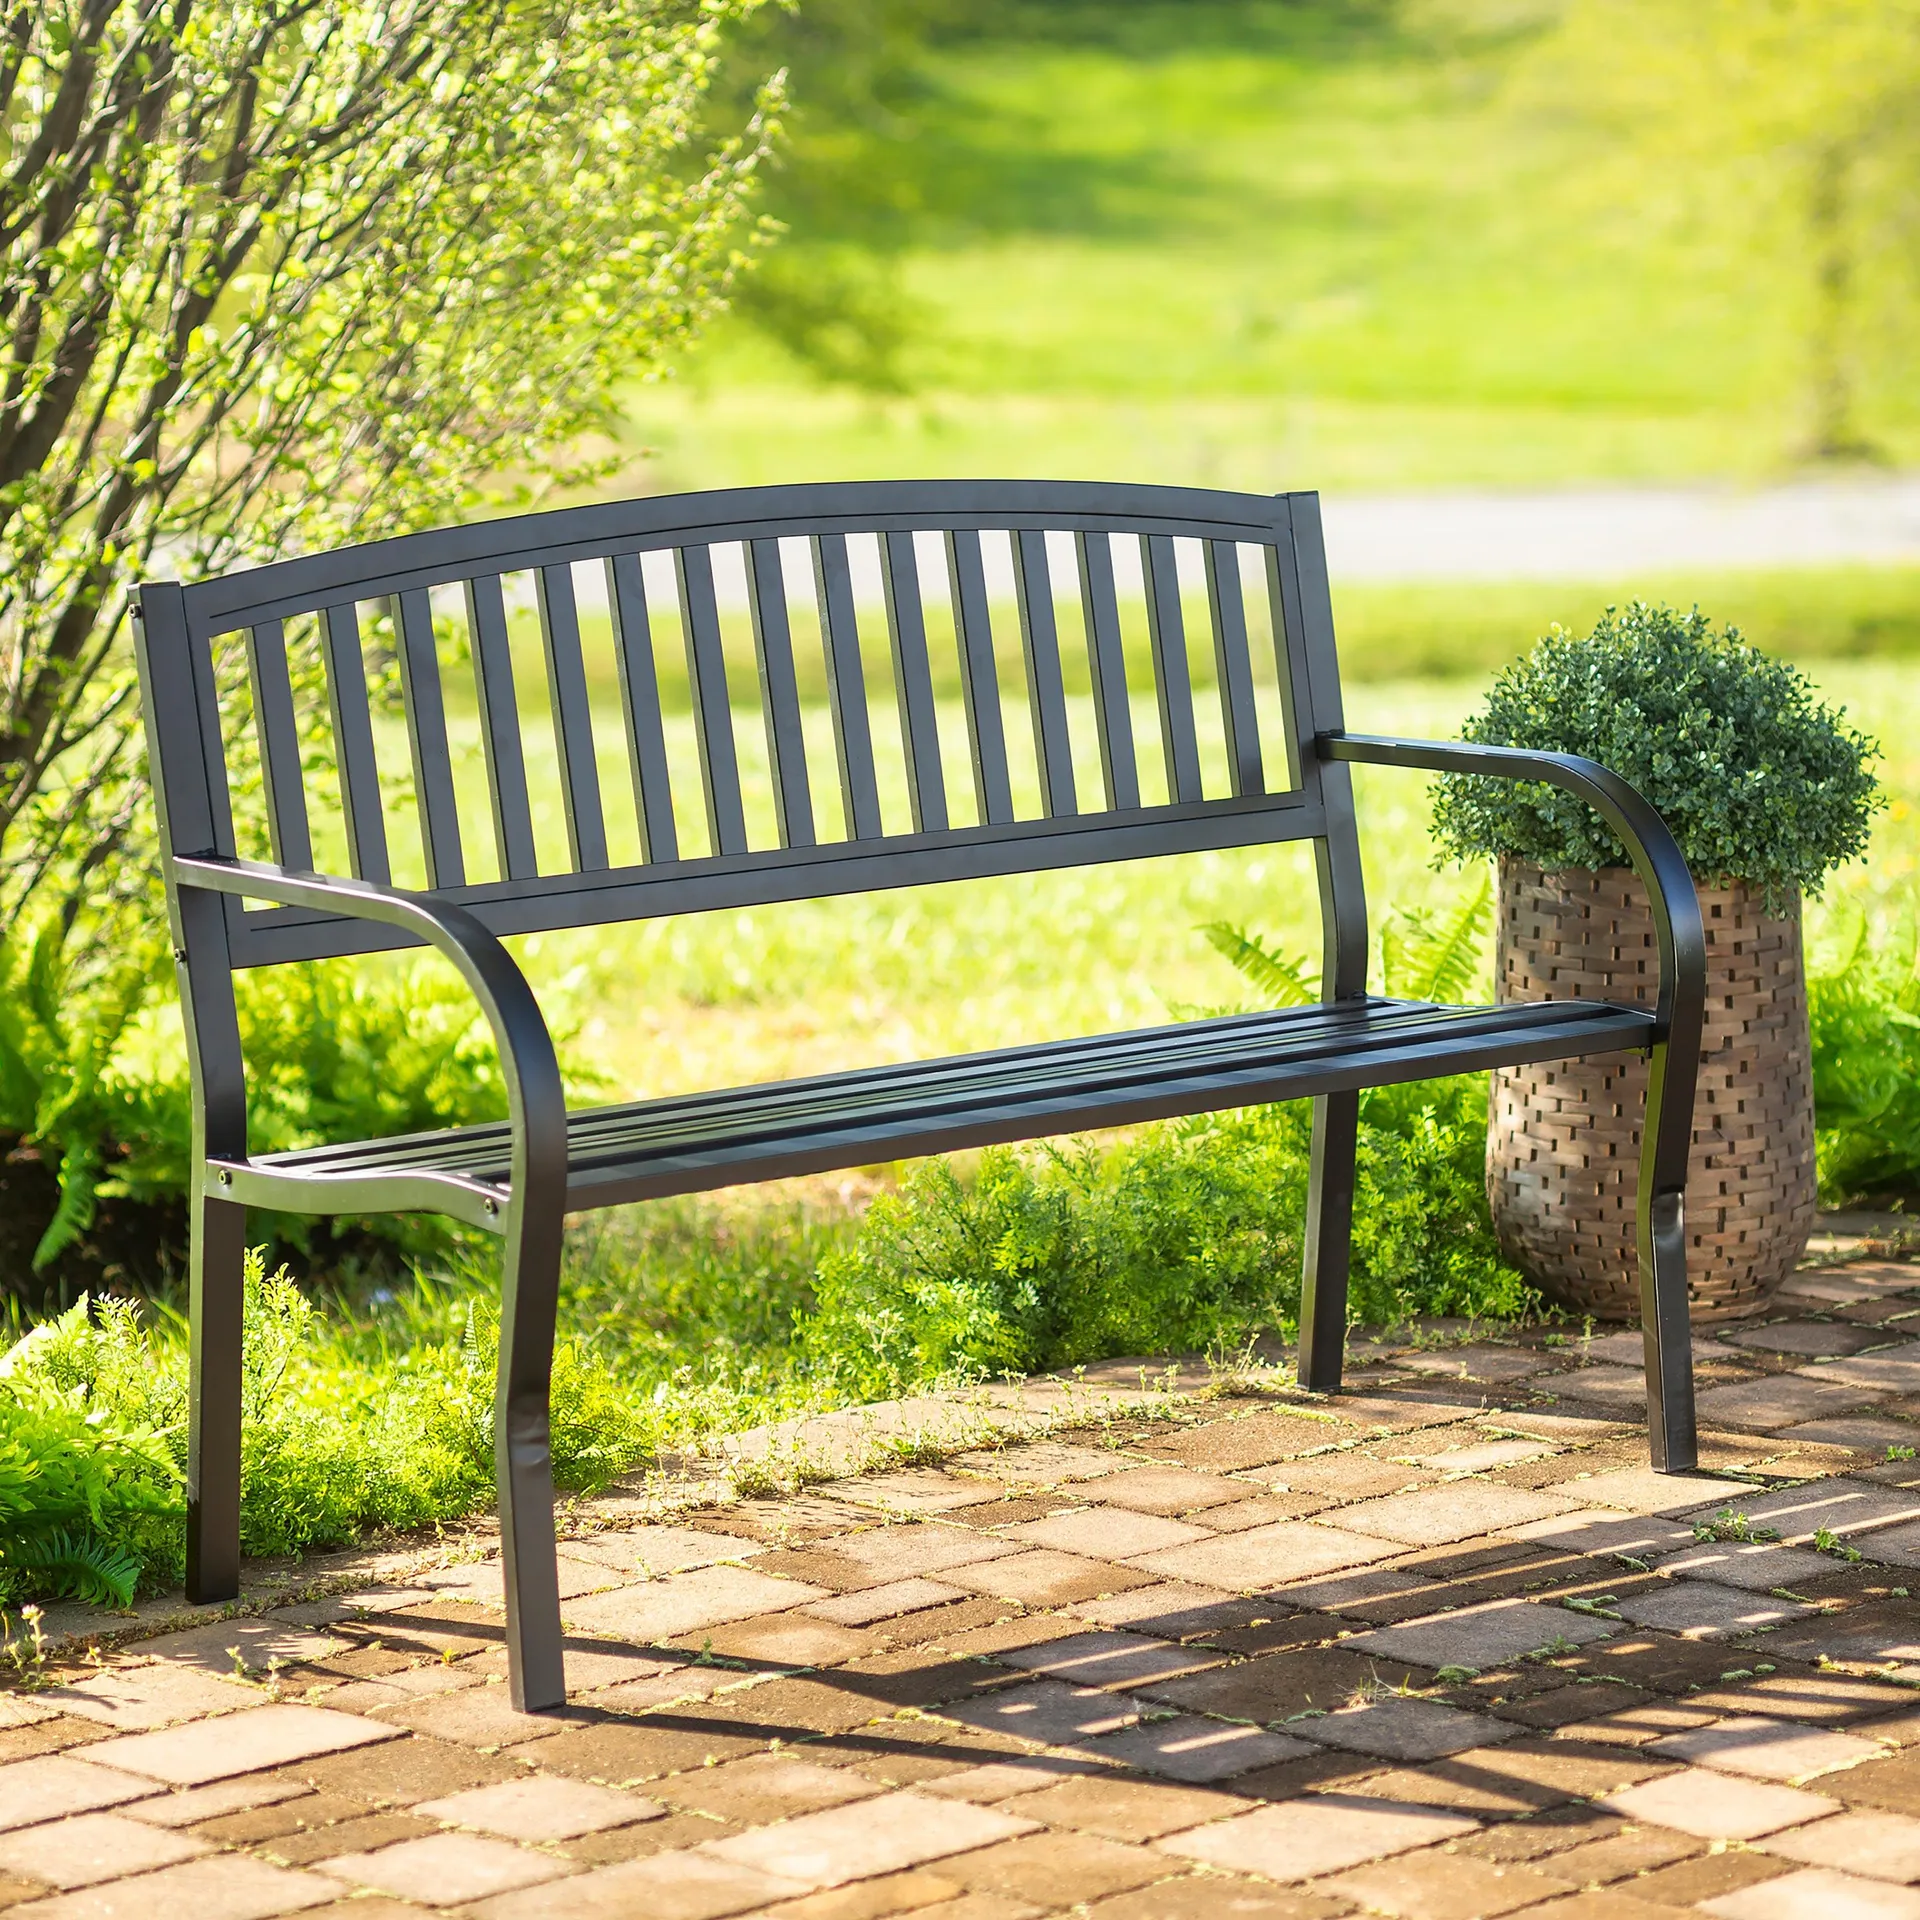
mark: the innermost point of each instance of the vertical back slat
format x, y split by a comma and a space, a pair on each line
278, 733
846, 687
1167, 634
779, 693
1106, 656
353, 743
712, 709
1233, 667
913, 683
427, 742
1300, 567
1046, 696
572, 719
979, 678
640, 705
500, 728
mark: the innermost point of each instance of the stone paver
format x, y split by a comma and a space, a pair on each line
1759, 1569
1868, 1433
224, 1887
1262, 1557
1045, 1577
1396, 1728
1896, 1370
652, 1551
1169, 1490
1301, 1839
1619, 1387
217, 1749
874, 1837
1108, 1659
1047, 1713
1840, 1507
1701, 1610
1768, 1749
1818, 1890
91, 1847
449, 1869
1885, 1846
685, 1602
137, 1699
1424, 1886
52, 1784
1193, 1748
1439, 1515
1232, 1656
1482, 1637
1783, 1400
1110, 1535
1640, 1490
865, 1605
677, 1885
541, 1808
1715, 1806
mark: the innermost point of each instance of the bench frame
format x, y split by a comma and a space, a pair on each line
314, 915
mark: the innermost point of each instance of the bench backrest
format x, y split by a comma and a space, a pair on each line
220, 648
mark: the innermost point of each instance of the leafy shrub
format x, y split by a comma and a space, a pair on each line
1758, 781
1864, 1011
1188, 1235
341, 1437
90, 1481
65, 1087
335, 1051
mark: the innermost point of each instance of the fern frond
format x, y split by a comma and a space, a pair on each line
79, 1181
1284, 980
78, 1566
1440, 963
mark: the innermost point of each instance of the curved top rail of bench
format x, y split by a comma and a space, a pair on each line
524, 541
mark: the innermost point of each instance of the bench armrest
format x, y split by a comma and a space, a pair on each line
1650, 845
536, 1105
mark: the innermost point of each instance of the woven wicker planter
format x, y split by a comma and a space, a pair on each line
1563, 1139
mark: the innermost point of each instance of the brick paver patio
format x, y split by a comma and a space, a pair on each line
1440, 1648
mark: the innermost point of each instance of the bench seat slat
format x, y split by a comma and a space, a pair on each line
652, 1148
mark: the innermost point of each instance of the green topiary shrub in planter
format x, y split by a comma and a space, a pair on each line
1766, 790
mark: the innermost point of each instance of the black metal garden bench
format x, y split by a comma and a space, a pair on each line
227, 665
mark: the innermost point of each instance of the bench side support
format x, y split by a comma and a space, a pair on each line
1680, 1017
1310, 676
531, 1219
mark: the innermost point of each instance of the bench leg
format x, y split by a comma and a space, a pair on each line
218, 1261
1323, 1284
523, 1454
1662, 1210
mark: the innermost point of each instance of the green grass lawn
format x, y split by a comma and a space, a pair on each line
1292, 246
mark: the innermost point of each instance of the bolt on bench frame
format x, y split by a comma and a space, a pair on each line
521, 1178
